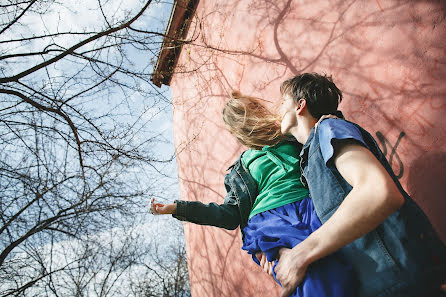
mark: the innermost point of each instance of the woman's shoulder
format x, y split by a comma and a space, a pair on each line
288, 146
250, 155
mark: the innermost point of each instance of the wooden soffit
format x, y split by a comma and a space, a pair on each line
176, 32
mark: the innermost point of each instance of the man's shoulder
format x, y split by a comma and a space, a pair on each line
337, 123
335, 132
334, 128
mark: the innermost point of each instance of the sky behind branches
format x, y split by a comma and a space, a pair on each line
88, 16
150, 117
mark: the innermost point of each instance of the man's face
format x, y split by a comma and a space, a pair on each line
288, 112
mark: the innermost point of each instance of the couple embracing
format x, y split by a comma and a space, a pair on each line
319, 207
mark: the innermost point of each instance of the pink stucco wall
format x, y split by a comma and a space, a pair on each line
388, 57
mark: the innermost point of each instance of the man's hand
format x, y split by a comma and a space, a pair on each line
291, 269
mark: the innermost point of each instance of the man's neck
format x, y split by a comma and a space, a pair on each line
303, 130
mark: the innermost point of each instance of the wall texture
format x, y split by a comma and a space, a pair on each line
388, 57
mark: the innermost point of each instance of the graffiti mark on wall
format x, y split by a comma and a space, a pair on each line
391, 150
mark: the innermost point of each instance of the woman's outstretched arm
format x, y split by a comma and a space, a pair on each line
225, 215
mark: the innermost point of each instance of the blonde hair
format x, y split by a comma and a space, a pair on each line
251, 122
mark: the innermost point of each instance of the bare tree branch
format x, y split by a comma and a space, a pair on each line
18, 17
80, 150
74, 47
49, 109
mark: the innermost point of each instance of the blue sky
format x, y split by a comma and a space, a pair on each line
81, 16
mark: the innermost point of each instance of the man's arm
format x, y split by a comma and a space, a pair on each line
373, 198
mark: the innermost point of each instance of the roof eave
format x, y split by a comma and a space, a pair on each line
176, 32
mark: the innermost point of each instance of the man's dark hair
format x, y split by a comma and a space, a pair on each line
320, 92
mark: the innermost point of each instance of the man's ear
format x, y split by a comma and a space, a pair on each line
300, 106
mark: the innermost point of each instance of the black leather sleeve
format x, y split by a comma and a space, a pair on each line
225, 216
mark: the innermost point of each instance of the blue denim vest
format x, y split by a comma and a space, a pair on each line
403, 256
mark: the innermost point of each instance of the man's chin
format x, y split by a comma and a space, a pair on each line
284, 130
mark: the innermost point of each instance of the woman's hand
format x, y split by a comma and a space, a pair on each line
267, 266
159, 208
325, 116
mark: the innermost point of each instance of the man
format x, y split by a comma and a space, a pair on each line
363, 208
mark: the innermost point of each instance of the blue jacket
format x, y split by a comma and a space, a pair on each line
403, 256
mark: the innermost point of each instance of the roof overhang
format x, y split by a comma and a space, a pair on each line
176, 32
